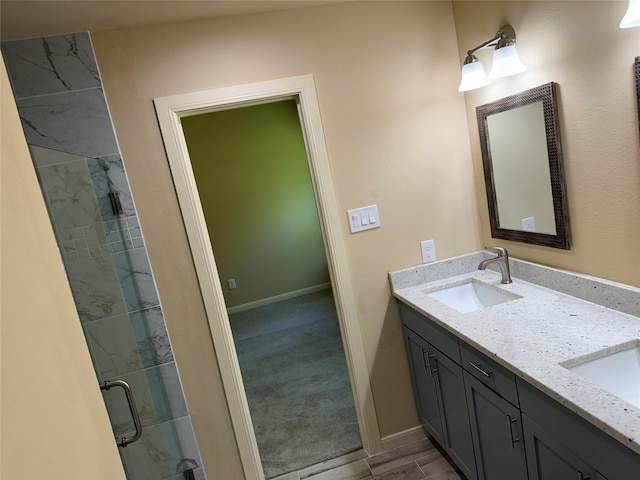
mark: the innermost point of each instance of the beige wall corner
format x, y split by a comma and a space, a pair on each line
579, 46
54, 422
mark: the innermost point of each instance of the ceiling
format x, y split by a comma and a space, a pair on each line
34, 18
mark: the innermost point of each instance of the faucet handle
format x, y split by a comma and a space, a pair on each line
500, 251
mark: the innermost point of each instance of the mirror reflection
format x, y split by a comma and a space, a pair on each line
521, 169
522, 166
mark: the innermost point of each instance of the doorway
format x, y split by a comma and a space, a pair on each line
252, 175
301, 89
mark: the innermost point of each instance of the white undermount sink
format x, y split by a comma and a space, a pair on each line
616, 370
471, 296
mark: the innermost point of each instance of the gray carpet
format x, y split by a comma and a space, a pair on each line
296, 379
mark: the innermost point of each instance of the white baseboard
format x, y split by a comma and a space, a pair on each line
402, 438
278, 298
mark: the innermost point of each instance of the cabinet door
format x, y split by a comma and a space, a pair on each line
548, 459
455, 415
424, 386
497, 433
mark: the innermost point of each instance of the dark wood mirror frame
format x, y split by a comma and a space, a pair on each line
545, 94
638, 89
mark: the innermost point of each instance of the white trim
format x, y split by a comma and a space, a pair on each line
278, 298
399, 439
302, 89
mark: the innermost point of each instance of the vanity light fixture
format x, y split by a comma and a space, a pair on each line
632, 17
505, 60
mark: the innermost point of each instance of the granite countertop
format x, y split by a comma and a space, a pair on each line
531, 336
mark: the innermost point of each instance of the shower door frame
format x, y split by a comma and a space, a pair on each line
302, 89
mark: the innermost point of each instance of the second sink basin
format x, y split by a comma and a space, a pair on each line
616, 370
471, 296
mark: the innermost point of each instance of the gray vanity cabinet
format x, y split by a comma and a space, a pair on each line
548, 459
439, 388
496, 426
424, 387
497, 433
492, 399
455, 414
558, 440
439, 391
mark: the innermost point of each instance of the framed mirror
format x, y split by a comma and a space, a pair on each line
637, 65
522, 161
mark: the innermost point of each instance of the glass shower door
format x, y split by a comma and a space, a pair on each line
102, 248
66, 122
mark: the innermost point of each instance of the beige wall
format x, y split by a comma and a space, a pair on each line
386, 75
54, 423
579, 46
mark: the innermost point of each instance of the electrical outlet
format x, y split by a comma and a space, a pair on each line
232, 283
428, 249
529, 224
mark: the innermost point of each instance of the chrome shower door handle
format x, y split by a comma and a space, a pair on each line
124, 441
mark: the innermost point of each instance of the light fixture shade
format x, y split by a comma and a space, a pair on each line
506, 62
632, 17
473, 76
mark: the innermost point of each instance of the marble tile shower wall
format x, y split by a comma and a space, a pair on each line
66, 122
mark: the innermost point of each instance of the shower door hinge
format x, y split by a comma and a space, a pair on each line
116, 206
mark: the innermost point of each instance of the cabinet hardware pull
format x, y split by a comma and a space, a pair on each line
488, 375
511, 439
434, 370
426, 363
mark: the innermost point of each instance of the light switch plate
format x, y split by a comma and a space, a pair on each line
364, 218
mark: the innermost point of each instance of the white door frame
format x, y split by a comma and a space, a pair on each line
301, 88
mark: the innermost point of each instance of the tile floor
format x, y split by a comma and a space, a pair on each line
420, 460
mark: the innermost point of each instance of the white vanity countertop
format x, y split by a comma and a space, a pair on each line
532, 335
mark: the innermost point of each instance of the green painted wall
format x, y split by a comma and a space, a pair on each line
253, 179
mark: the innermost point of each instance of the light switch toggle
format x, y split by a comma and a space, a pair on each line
364, 218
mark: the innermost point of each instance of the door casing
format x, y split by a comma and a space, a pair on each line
301, 88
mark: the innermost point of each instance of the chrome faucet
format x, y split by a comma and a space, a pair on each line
502, 260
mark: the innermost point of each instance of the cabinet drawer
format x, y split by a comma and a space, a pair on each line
437, 336
489, 372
